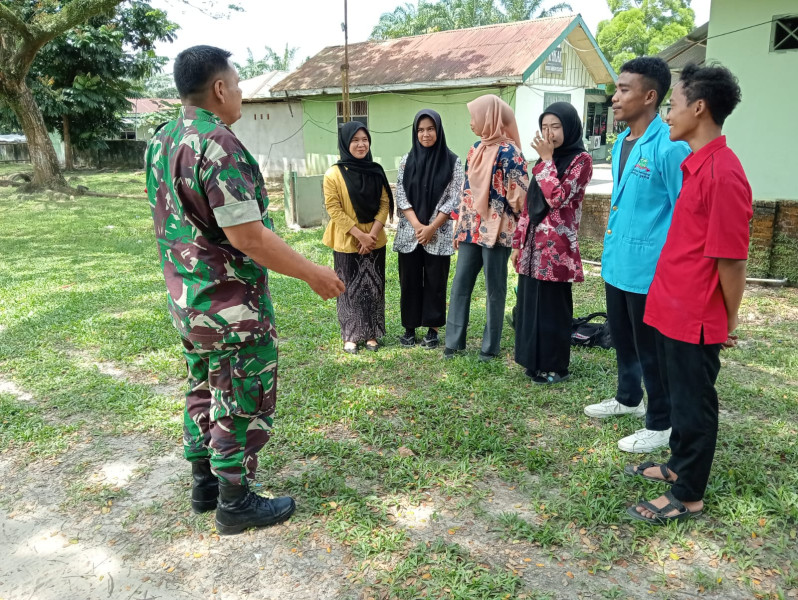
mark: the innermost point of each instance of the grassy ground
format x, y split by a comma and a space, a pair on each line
436, 479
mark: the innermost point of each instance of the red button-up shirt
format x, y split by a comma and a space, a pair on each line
710, 221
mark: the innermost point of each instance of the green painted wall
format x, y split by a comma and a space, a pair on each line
763, 130
390, 119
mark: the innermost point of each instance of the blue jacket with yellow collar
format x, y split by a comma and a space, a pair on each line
643, 198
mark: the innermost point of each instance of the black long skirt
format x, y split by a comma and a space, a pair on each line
543, 326
361, 308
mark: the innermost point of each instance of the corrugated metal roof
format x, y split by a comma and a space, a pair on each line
260, 87
499, 52
149, 105
692, 48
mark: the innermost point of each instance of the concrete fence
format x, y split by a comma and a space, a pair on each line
774, 234
17, 152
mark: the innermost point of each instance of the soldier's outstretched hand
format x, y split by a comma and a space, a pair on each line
326, 283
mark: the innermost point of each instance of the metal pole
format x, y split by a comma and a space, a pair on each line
345, 69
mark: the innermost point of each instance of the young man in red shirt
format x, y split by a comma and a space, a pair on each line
697, 288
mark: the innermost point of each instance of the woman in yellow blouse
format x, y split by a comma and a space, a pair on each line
358, 198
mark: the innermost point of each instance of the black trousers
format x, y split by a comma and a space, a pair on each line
636, 355
543, 318
422, 280
689, 372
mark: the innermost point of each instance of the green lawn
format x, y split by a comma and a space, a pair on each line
80, 284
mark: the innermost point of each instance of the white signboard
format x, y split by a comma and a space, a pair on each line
554, 62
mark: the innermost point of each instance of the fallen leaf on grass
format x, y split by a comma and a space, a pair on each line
405, 452
569, 574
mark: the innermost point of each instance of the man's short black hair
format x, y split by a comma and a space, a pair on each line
655, 73
197, 66
715, 85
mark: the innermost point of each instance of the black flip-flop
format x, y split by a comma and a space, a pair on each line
637, 471
543, 378
661, 516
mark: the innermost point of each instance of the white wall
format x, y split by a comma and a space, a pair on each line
529, 105
266, 129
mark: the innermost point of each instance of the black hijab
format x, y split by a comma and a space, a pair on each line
363, 177
572, 145
428, 171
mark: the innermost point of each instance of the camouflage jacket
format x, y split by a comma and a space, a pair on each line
200, 178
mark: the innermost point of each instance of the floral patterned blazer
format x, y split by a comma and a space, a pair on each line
551, 251
507, 198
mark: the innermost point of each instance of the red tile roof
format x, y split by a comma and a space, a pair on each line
493, 51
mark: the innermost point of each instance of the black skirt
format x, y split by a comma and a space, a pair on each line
543, 326
361, 308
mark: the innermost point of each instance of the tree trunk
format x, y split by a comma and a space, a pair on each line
46, 170
69, 163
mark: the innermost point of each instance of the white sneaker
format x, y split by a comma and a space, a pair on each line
645, 440
613, 408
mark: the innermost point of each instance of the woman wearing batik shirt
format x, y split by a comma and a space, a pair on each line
546, 254
358, 198
493, 197
427, 190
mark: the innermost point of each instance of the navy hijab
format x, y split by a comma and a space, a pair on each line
364, 178
572, 146
428, 171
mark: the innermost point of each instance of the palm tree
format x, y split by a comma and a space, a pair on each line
446, 15
404, 20
522, 10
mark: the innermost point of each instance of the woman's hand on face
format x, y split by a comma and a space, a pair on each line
543, 146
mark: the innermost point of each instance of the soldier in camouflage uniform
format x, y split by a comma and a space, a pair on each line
215, 242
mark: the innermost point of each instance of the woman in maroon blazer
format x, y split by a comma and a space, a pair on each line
546, 250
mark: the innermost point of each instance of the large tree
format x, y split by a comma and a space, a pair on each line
643, 27
25, 27
444, 15
82, 79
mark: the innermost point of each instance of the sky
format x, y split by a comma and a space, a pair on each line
310, 25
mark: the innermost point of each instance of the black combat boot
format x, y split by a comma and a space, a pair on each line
240, 509
204, 488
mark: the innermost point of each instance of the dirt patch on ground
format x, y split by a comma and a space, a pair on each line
110, 518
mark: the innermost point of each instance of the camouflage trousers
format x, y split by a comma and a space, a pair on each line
229, 404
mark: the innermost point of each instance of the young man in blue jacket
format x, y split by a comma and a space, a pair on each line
647, 178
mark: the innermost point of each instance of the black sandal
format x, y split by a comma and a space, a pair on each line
637, 471
661, 516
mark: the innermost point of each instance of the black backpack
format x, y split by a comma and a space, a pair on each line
585, 333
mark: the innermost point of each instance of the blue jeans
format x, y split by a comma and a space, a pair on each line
471, 259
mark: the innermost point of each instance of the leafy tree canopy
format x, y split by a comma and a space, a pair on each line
643, 27
444, 15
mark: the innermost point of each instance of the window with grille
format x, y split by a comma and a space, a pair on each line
358, 110
784, 34
550, 98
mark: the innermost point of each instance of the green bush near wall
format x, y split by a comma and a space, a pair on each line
759, 261
784, 258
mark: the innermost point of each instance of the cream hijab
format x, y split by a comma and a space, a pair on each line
494, 122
